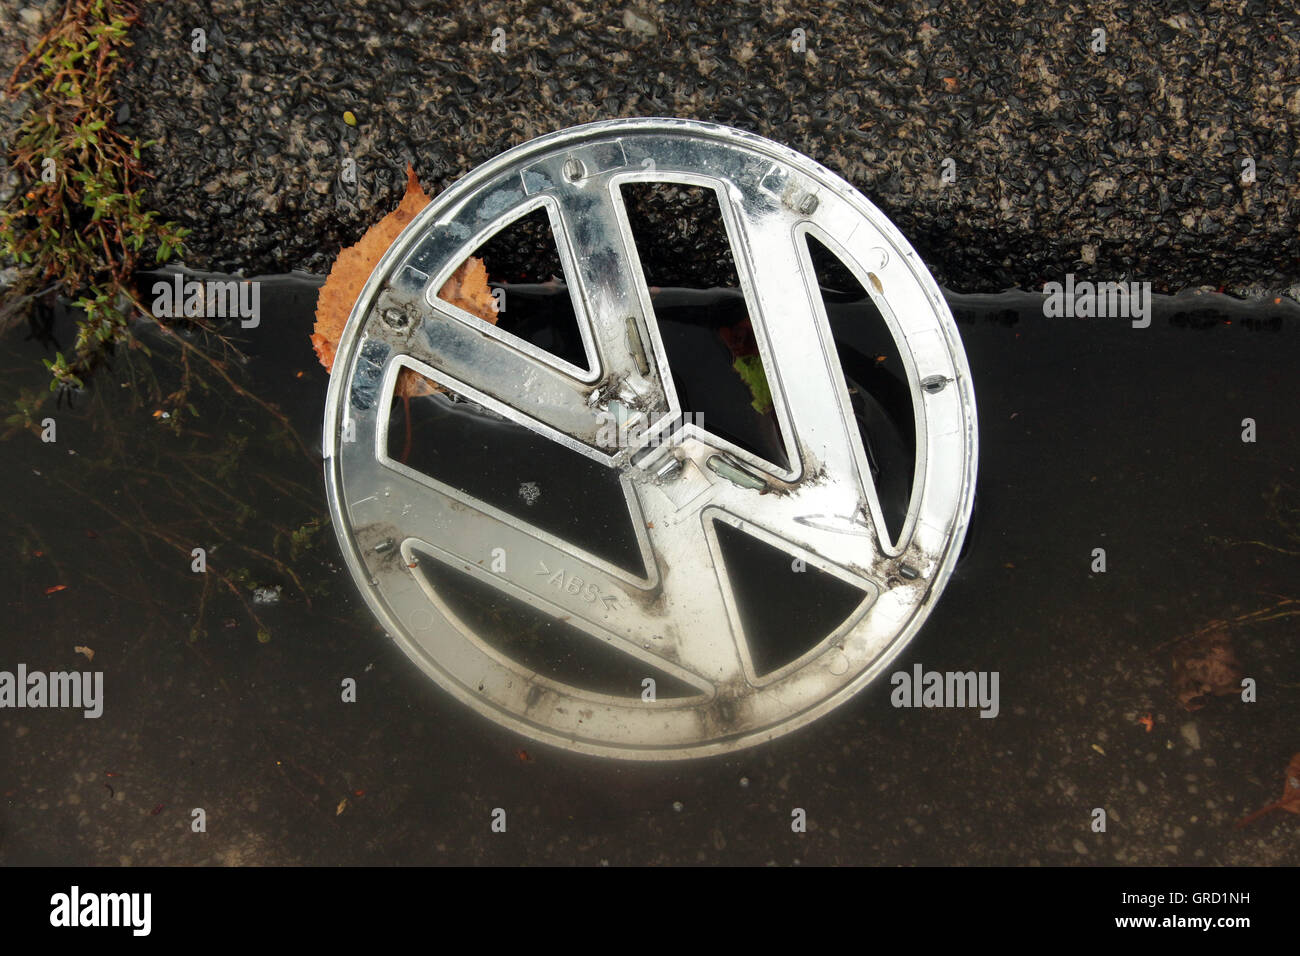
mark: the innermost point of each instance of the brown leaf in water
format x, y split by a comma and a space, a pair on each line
467, 287
1290, 799
353, 267
1205, 665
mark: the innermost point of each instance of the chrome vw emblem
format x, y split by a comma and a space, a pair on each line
682, 617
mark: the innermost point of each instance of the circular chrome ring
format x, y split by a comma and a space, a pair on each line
680, 616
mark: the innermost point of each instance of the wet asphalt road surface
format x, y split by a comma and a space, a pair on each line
1117, 154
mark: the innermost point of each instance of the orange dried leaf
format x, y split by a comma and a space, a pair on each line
411, 384
467, 288
353, 266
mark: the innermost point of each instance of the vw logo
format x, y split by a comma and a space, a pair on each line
464, 582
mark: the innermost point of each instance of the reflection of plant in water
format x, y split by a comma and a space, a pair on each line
1282, 511
304, 537
1204, 660
235, 483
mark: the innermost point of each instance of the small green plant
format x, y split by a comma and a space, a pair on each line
76, 227
303, 538
750, 370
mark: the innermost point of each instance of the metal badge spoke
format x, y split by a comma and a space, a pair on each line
689, 614
458, 355
795, 345
594, 236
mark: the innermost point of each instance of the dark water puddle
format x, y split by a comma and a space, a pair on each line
1093, 434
